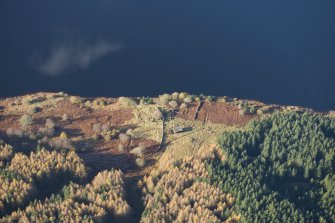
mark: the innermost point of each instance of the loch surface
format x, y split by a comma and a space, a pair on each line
274, 51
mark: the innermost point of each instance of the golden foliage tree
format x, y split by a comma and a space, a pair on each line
89, 203
46, 163
17, 180
180, 193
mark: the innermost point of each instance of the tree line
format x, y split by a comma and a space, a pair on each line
282, 169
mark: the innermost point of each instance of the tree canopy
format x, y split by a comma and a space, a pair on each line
280, 170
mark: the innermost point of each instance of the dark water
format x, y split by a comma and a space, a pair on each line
274, 51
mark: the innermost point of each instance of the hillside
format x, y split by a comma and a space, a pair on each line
174, 158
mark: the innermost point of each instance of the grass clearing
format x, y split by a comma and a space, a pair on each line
187, 143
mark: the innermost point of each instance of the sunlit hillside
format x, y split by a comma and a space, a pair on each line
173, 158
